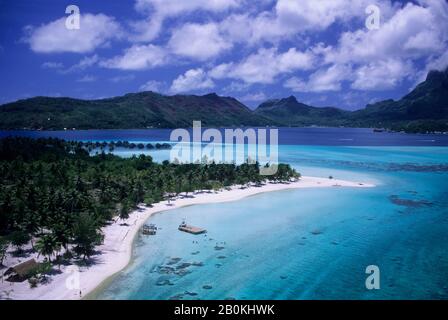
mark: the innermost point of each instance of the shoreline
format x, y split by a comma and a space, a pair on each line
116, 251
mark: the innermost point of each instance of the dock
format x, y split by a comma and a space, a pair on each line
191, 229
149, 229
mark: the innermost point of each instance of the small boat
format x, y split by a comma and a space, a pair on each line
149, 229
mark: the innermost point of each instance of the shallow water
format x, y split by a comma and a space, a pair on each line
308, 243
305, 243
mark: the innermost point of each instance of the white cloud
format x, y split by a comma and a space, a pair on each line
265, 65
412, 32
258, 37
152, 85
87, 62
310, 14
138, 57
355, 99
382, 75
177, 7
254, 97
326, 79
192, 80
380, 59
159, 10
440, 63
83, 64
199, 42
289, 19
95, 31
379, 75
236, 86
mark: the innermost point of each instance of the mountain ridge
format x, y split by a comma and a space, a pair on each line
423, 109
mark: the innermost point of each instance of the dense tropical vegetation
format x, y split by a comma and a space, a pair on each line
56, 196
424, 109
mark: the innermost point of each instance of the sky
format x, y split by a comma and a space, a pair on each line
342, 53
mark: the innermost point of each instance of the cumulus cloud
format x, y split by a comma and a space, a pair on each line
440, 63
310, 14
264, 66
95, 31
236, 86
384, 58
159, 10
291, 18
192, 80
138, 57
199, 42
176, 7
412, 39
382, 75
412, 32
254, 97
326, 79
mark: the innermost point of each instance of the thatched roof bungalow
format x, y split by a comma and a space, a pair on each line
20, 272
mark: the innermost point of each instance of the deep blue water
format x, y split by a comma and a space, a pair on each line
287, 136
306, 243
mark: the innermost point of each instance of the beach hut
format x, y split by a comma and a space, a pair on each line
20, 272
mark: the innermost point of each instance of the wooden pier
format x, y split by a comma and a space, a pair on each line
149, 229
191, 229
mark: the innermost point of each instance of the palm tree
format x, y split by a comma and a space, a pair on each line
4, 244
124, 211
47, 245
61, 231
86, 235
19, 239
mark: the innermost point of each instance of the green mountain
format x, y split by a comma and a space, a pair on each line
290, 112
135, 110
424, 109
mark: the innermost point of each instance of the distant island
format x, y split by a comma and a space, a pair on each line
424, 109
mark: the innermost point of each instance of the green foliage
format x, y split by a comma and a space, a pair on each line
38, 273
124, 211
55, 191
86, 235
47, 245
138, 110
149, 201
4, 244
19, 238
424, 109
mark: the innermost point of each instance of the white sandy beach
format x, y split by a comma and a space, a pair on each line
116, 251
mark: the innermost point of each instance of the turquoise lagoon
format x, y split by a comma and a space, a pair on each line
307, 243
